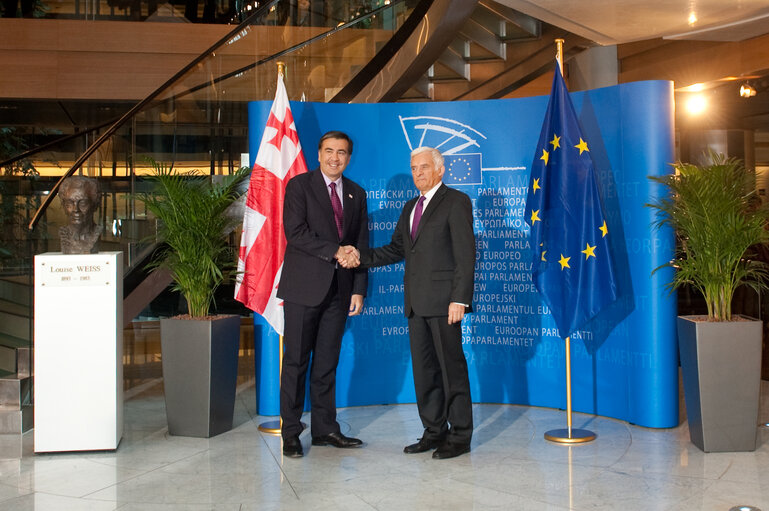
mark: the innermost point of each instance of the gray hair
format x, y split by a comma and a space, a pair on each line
436, 154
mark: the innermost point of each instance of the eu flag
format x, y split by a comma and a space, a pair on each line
572, 266
462, 169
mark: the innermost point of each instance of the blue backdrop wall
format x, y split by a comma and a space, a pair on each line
624, 363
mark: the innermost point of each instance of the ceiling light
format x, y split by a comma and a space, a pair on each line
692, 18
696, 104
747, 91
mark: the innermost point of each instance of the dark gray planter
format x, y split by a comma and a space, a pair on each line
200, 370
721, 365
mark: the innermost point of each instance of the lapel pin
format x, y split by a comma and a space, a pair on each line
349, 195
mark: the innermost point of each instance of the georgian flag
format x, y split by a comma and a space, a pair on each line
263, 242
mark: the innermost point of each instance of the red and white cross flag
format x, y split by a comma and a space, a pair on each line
263, 242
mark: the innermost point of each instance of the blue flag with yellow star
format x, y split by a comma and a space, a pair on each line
462, 169
572, 266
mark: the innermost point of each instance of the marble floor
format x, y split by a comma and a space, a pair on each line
511, 465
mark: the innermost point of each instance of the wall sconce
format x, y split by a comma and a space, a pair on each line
747, 91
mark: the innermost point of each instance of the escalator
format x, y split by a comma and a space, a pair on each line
196, 120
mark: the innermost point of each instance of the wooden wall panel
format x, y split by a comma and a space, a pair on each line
66, 59
31, 75
688, 62
92, 60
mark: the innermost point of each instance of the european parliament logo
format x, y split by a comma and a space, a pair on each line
462, 169
451, 138
446, 135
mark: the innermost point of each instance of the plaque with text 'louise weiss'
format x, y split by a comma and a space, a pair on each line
70, 274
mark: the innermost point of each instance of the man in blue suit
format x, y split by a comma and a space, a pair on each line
323, 210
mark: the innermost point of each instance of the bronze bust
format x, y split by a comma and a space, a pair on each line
79, 197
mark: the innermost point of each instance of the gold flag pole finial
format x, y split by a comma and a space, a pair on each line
281, 68
559, 53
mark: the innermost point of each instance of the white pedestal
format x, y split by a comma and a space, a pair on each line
78, 370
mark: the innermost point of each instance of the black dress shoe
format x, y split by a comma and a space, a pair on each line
423, 445
336, 440
292, 447
449, 450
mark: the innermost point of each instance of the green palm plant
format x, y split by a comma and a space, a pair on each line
717, 218
193, 230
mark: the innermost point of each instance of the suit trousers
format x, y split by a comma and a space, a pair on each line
440, 379
315, 331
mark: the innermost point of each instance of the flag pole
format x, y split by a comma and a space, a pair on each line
568, 435
559, 53
274, 427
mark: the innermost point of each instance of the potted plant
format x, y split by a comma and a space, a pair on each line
199, 352
717, 217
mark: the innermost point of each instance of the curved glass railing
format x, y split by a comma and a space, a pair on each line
296, 12
197, 120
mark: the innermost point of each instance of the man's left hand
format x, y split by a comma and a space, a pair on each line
356, 305
456, 313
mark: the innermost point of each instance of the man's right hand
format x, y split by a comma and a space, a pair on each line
348, 256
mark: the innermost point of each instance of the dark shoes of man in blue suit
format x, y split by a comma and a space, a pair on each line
292, 446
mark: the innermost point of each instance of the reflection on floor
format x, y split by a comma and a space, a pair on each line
511, 466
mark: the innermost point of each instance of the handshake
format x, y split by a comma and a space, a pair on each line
348, 257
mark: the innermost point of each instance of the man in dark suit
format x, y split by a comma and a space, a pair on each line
322, 211
435, 236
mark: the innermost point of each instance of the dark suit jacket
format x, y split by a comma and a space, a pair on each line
312, 240
440, 262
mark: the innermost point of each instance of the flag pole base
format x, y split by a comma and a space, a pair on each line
273, 427
270, 427
577, 436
